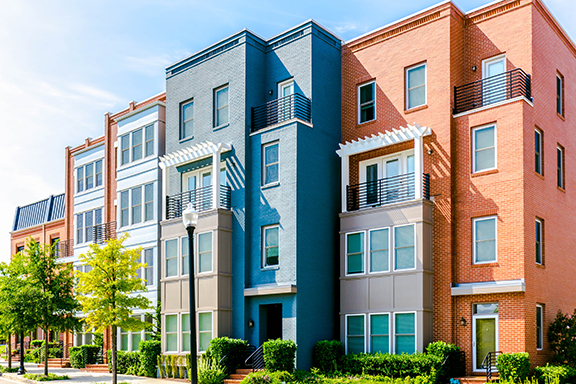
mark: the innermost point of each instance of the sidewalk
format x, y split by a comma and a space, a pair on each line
78, 377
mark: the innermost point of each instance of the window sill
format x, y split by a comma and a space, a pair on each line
561, 189
485, 173
560, 116
135, 162
485, 265
221, 126
415, 109
87, 191
186, 139
270, 268
271, 185
366, 122
539, 175
541, 266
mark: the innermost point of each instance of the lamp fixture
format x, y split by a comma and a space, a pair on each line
463, 322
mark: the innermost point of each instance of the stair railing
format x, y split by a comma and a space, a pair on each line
256, 360
490, 361
65, 353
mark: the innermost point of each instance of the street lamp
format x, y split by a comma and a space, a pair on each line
21, 369
190, 219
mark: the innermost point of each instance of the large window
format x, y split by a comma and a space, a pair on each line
204, 330
367, 102
171, 333
137, 145
355, 334
85, 223
560, 166
187, 120
484, 148
485, 240
380, 333
539, 243
539, 326
560, 94
405, 332
538, 166
270, 163
205, 252
379, 246
137, 205
89, 176
416, 86
270, 246
171, 254
354, 253
404, 247
221, 106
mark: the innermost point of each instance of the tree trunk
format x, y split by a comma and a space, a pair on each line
114, 376
9, 350
45, 351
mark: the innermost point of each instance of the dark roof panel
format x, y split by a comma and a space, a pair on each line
41, 212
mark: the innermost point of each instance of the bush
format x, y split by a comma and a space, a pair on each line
210, 371
267, 377
443, 350
76, 358
127, 362
149, 352
36, 343
221, 346
565, 374
513, 366
393, 366
90, 353
8, 370
326, 355
279, 355
82, 355
561, 333
41, 377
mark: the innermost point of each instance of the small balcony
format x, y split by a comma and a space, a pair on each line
490, 90
385, 191
103, 232
201, 199
65, 248
279, 110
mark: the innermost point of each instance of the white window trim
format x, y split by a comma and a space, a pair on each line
144, 158
474, 220
178, 259
541, 159
197, 254
181, 256
284, 83
369, 330
83, 213
346, 329
561, 149
217, 108
165, 339
264, 165
401, 156
143, 220
367, 250
198, 329
491, 60
154, 267
130, 333
263, 245
474, 170
415, 248
181, 332
541, 326
94, 186
358, 107
541, 245
182, 121
407, 95
415, 330
346, 255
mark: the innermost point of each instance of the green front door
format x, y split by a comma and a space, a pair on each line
485, 339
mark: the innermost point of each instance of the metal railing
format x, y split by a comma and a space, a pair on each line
64, 248
285, 108
490, 361
103, 232
237, 355
256, 359
201, 198
492, 90
385, 191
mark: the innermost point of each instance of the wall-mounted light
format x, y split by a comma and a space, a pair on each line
430, 151
474, 68
250, 323
463, 322
270, 92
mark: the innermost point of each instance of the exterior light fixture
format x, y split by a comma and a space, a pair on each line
190, 220
463, 322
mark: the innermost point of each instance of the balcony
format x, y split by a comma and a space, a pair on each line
103, 232
65, 248
201, 198
490, 90
279, 110
385, 191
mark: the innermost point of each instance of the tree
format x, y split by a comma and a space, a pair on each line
562, 338
109, 290
55, 280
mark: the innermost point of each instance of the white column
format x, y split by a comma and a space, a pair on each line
418, 167
216, 179
345, 180
164, 191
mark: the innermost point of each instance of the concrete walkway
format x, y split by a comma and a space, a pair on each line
78, 377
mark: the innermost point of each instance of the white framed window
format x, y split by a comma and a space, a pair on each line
484, 148
560, 166
404, 332
185, 334
137, 205
89, 169
124, 340
559, 94
205, 334
270, 245
124, 208
205, 252
79, 179
137, 144
538, 166
270, 163
380, 332
355, 334
89, 176
485, 237
379, 248
124, 149
99, 173
404, 247
221, 100
187, 120
136, 199
149, 202
171, 332
148, 259
85, 223
171, 256
184, 250
149, 140
539, 241
366, 102
355, 253
539, 326
416, 86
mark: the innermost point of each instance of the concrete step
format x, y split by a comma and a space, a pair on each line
95, 368
238, 375
244, 371
232, 381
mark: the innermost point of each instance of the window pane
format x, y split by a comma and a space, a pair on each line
188, 111
99, 177
355, 334
171, 247
416, 77
171, 323
380, 344
185, 261
223, 116
88, 216
205, 322
125, 144
136, 205
205, 252
366, 113
366, 93
355, 251
271, 154
379, 324
486, 251
356, 242
79, 228
416, 97
271, 236
124, 209
271, 173
80, 179
171, 342
149, 140
484, 138
405, 333
137, 145
379, 250
222, 97
404, 236
485, 229
90, 176
136, 337
149, 199
124, 342
538, 242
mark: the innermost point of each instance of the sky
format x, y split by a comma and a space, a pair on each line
65, 63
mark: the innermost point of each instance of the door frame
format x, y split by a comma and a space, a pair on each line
474, 318
491, 60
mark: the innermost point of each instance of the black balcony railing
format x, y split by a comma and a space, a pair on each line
103, 232
201, 199
64, 248
285, 108
385, 191
492, 90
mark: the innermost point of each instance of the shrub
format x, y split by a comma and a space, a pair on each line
443, 350
279, 355
127, 362
210, 371
513, 366
40, 377
267, 377
561, 333
161, 368
76, 358
564, 373
149, 352
36, 343
8, 370
221, 346
326, 355
393, 366
174, 364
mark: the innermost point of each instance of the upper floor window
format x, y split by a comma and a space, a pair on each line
485, 240
171, 256
560, 94
367, 102
538, 168
539, 326
132, 202
560, 166
187, 120
221, 116
89, 176
404, 247
85, 223
176, 253
355, 253
148, 259
270, 163
270, 246
55, 244
205, 252
416, 86
484, 148
539, 236
137, 144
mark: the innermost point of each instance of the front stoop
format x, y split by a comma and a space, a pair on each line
475, 379
57, 363
236, 378
96, 368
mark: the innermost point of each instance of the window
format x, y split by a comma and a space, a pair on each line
149, 202
539, 230
221, 106
99, 178
149, 269
80, 228
379, 333
171, 333
89, 176
485, 244
148, 331
85, 223
404, 247
355, 253
184, 251
131, 205
539, 326
149, 140
484, 148
125, 149
79, 179
136, 205
379, 245
205, 252
187, 118
355, 334
538, 152
560, 166
89, 223
560, 94
416, 86
367, 102
171, 253
185, 343
124, 339
405, 332
55, 244
204, 330
270, 246
124, 213
270, 170
135, 337
20, 249
137, 145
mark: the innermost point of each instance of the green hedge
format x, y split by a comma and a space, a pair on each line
393, 366
76, 358
442, 349
127, 362
279, 355
566, 374
279, 377
221, 346
149, 352
513, 366
83, 355
326, 355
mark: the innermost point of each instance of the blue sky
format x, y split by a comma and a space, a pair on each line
64, 64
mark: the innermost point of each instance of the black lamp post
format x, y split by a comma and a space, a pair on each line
21, 369
190, 219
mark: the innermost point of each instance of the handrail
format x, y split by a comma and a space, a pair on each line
201, 199
65, 353
103, 232
257, 359
238, 349
282, 109
64, 248
490, 361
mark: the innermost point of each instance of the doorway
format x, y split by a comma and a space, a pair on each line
270, 322
494, 89
484, 333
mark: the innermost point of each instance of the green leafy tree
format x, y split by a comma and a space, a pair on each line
109, 290
562, 338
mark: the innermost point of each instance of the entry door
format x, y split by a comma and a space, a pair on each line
484, 338
285, 107
192, 184
392, 184
494, 87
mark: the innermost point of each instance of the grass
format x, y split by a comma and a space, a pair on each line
50, 377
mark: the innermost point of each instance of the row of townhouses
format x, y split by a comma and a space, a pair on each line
407, 186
